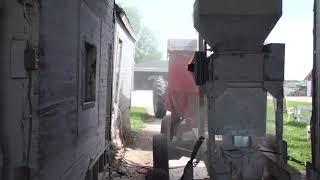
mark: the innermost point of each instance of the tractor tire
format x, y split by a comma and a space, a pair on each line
160, 157
159, 88
166, 127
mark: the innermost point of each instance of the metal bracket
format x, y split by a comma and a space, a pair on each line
188, 170
1, 162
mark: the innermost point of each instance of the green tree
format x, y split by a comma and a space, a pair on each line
147, 45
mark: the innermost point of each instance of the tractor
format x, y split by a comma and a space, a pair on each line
178, 94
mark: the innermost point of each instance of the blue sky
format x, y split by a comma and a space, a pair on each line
173, 19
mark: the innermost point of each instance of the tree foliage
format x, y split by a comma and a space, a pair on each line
147, 43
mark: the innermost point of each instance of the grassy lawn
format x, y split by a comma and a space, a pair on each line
138, 116
295, 134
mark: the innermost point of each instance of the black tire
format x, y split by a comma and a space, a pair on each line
159, 88
160, 157
166, 127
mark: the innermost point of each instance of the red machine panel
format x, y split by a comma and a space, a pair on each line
182, 92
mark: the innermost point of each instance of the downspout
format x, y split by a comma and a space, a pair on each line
4, 161
1, 163
3, 151
314, 89
314, 168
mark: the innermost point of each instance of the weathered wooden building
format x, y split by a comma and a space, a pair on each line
123, 70
56, 79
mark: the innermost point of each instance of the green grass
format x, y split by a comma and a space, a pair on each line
294, 103
138, 116
295, 134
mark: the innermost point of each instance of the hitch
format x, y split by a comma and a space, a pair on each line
188, 170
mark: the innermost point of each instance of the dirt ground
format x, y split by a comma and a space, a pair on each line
141, 153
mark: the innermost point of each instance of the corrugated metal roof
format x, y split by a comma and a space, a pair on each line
309, 76
121, 14
152, 66
182, 45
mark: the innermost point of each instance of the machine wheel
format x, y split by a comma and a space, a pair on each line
159, 88
166, 127
160, 157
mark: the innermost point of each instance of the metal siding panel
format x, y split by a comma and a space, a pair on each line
12, 93
58, 87
240, 111
247, 68
126, 74
60, 110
